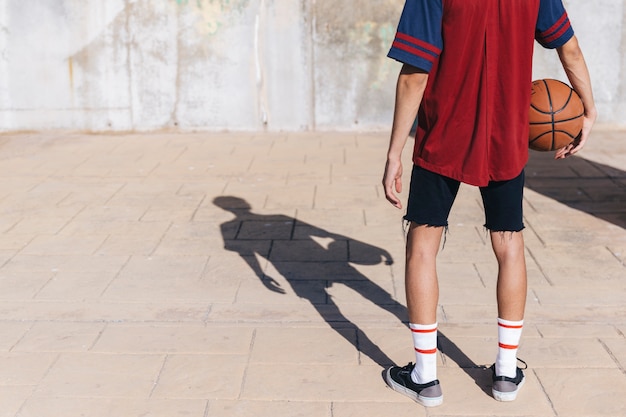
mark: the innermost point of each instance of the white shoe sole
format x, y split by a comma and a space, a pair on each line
425, 401
507, 396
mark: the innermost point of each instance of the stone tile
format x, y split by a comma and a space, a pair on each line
129, 245
384, 216
450, 295
176, 288
72, 263
59, 337
234, 408
356, 291
320, 382
331, 217
467, 392
106, 407
619, 251
571, 314
566, 274
48, 221
464, 252
11, 333
370, 408
75, 286
580, 296
565, 353
488, 272
90, 310
616, 348
19, 368
118, 228
201, 307
364, 253
467, 314
87, 192
193, 376
304, 345
206, 230
298, 311
469, 352
97, 375
12, 398
307, 175
315, 270
578, 330
63, 245
23, 284
11, 244
274, 289
160, 277
169, 338
602, 392
184, 246
145, 193
308, 251
111, 213
337, 196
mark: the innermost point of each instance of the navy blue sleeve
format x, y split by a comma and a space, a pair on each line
418, 39
553, 25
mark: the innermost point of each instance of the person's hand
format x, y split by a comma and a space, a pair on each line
273, 285
578, 143
392, 181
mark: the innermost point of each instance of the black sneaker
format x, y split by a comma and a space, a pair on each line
399, 379
505, 388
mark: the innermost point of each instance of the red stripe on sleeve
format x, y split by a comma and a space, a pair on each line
553, 31
417, 42
414, 51
557, 34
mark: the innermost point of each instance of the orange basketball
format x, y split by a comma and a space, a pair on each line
556, 115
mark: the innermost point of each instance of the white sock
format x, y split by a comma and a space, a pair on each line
425, 344
509, 334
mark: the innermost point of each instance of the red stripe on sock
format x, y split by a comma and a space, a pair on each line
426, 352
503, 346
508, 326
424, 331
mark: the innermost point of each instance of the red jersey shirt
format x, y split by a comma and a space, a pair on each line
473, 119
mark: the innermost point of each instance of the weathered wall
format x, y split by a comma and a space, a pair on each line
236, 64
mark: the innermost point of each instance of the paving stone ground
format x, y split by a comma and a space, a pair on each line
242, 274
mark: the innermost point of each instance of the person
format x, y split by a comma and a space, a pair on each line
466, 76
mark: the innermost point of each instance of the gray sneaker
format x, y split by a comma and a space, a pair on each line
505, 388
399, 380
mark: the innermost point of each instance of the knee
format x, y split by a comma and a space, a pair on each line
423, 243
507, 245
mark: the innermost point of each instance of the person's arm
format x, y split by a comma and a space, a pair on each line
578, 74
409, 92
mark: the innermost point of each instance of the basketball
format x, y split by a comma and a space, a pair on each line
556, 115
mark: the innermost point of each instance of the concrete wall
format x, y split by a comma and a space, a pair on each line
291, 65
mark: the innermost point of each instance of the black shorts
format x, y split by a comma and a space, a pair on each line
431, 197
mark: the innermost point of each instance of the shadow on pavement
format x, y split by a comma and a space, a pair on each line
312, 260
591, 187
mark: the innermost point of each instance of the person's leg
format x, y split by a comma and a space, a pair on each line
421, 285
511, 287
504, 219
430, 199
422, 295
